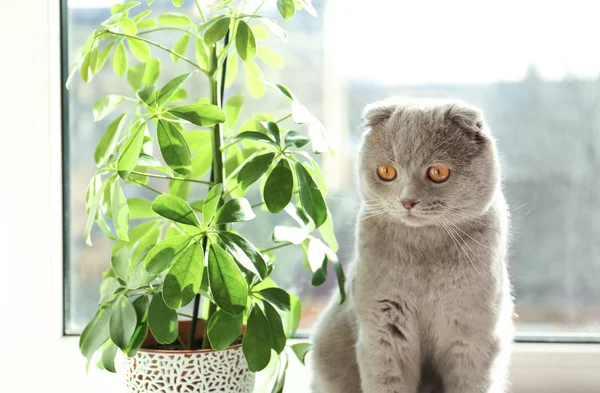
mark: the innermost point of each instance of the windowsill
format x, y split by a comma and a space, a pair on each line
535, 368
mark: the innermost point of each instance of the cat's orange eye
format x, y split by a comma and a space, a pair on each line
438, 174
386, 172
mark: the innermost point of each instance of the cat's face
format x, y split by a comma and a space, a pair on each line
426, 162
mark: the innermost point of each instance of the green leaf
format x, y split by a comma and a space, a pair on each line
173, 147
273, 129
180, 47
168, 90
202, 54
289, 234
223, 329
164, 253
173, 19
279, 187
291, 319
108, 288
106, 105
162, 320
141, 329
139, 49
286, 8
129, 27
140, 208
311, 198
233, 107
197, 139
256, 136
281, 372
245, 42
120, 60
316, 130
202, 115
253, 79
307, 4
128, 156
183, 279
235, 210
293, 138
228, 287
122, 322
180, 95
217, 31
301, 349
281, 89
245, 253
138, 17
146, 24
147, 94
341, 279
256, 343
134, 76
120, 210
269, 57
177, 3
273, 27
103, 57
109, 351
151, 72
95, 333
109, 139
278, 338
211, 202
319, 271
260, 32
254, 169
97, 189
119, 262
175, 209
232, 70
277, 297
85, 71
123, 7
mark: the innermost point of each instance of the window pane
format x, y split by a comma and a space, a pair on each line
540, 90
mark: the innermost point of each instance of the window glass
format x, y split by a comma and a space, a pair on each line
539, 88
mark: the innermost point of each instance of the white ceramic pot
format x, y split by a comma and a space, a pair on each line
199, 371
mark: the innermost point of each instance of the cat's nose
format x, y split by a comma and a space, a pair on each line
409, 203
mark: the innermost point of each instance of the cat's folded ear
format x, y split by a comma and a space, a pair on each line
466, 117
378, 113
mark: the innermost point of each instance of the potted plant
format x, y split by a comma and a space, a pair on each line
171, 252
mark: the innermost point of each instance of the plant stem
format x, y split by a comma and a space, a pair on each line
172, 178
147, 187
167, 28
182, 314
258, 8
217, 85
283, 118
161, 47
200, 11
276, 247
192, 337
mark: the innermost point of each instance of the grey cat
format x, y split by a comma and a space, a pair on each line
429, 306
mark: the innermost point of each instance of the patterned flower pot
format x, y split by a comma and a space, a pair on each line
199, 371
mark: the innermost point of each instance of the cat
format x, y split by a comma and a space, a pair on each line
429, 306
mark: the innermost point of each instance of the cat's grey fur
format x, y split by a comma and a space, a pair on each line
429, 307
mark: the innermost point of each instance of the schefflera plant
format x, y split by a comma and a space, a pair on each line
170, 251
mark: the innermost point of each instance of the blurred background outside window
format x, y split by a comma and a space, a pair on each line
539, 88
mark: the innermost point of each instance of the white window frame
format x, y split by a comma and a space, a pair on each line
42, 359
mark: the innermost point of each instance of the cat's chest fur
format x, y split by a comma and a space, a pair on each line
435, 274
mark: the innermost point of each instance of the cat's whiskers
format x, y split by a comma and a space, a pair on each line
476, 219
466, 234
454, 234
373, 214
